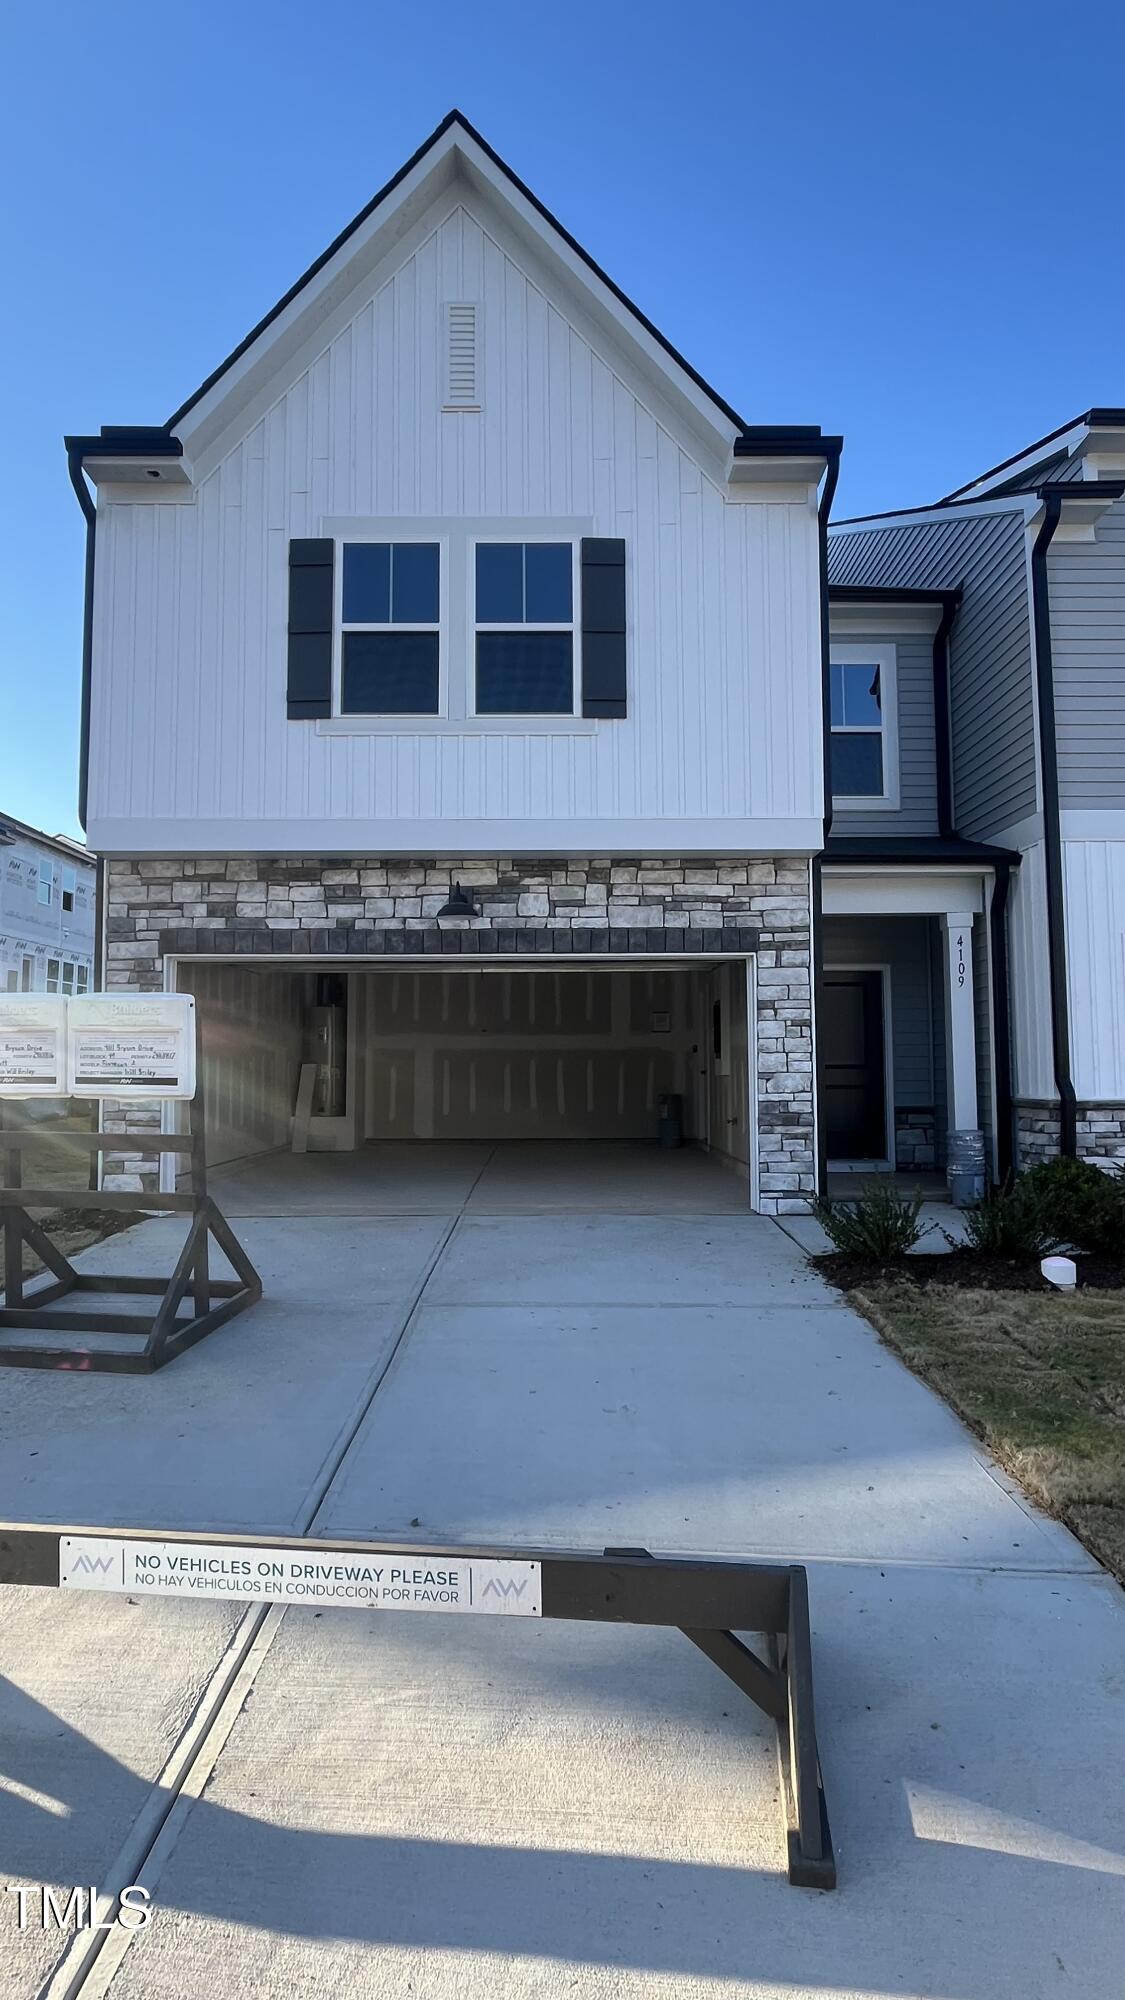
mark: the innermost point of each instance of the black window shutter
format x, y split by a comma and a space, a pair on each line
311, 600
603, 627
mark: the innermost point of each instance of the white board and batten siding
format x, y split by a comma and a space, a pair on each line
191, 748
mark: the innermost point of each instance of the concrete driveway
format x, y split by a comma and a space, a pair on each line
580, 1346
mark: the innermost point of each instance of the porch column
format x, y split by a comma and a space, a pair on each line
964, 1140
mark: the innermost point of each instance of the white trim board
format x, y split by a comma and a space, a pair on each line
850, 891
885, 657
460, 839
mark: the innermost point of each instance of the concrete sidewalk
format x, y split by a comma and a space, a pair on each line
447, 1807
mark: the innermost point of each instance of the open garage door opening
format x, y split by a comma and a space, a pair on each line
642, 1054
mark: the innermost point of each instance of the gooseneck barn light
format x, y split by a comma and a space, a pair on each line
460, 904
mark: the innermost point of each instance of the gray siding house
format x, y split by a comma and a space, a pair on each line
1006, 767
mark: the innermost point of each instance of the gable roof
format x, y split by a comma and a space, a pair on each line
456, 126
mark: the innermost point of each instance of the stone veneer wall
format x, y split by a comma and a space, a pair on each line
915, 1140
1101, 1132
376, 908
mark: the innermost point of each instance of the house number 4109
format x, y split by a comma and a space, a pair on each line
961, 959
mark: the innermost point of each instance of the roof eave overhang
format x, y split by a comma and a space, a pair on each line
768, 455
1081, 504
130, 453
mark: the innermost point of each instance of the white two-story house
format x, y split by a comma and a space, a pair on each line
475, 705
454, 665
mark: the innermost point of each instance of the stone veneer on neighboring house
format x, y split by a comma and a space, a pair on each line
381, 908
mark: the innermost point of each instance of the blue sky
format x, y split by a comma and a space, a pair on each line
898, 222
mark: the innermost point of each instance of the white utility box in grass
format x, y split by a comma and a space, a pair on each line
32, 1045
133, 1045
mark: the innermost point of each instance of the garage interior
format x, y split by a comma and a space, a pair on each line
497, 1054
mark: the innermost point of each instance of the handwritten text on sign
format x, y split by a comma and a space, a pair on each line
32, 1045
360, 1579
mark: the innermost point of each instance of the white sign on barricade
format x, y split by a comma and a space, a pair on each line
130, 1045
32, 1045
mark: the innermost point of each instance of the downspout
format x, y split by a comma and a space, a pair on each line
85, 501
942, 728
1001, 1027
90, 514
1052, 826
816, 886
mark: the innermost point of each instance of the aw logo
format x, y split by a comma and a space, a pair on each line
85, 1565
510, 1587
499, 1587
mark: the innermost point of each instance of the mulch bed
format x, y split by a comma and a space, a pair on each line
971, 1269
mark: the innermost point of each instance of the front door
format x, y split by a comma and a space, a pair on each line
852, 1028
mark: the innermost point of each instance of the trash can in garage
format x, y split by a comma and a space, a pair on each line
670, 1117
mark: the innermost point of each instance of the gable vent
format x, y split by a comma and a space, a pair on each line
462, 356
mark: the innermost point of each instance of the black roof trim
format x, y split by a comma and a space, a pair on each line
452, 118
1082, 489
910, 852
786, 441
930, 507
889, 593
964, 496
1114, 419
126, 441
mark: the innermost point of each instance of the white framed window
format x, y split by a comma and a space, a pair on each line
82, 979
523, 653
69, 885
46, 881
390, 623
68, 971
27, 975
370, 612
864, 727
53, 970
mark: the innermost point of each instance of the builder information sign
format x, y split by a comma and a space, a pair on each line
360, 1579
128, 1046
32, 1045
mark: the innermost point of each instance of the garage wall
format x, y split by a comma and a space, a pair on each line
567, 1053
252, 1023
727, 1045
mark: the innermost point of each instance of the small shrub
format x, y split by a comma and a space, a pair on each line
1083, 1205
874, 1227
1009, 1222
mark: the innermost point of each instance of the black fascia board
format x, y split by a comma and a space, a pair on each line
452, 118
890, 593
912, 851
787, 441
125, 441
1081, 489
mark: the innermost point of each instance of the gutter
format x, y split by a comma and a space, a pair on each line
832, 474
1052, 824
1001, 1024
942, 725
74, 452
